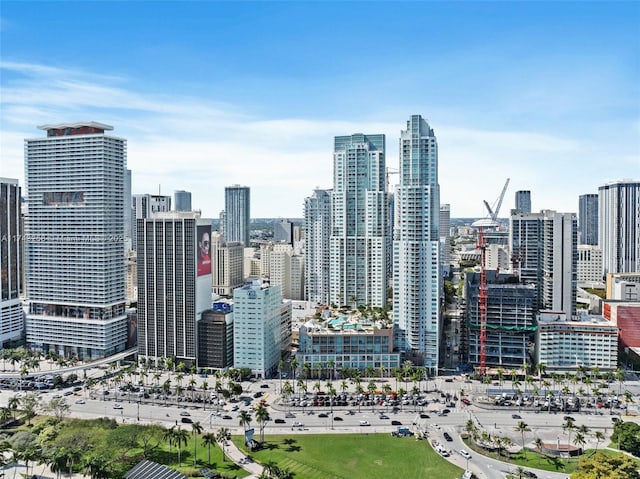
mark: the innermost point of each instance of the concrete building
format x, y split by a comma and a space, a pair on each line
625, 315
588, 219
344, 342
510, 320
523, 201
619, 226
215, 337
174, 284
317, 232
564, 344
11, 262
417, 287
283, 232
589, 265
624, 286
237, 214
181, 200
131, 277
261, 328
544, 252
147, 206
445, 238
75, 179
359, 222
227, 265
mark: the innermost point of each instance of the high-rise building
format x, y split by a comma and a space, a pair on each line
227, 265
75, 179
237, 214
146, 206
619, 226
359, 222
416, 246
588, 219
215, 337
317, 231
283, 232
445, 245
261, 328
182, 200
174, 284
589, 265
11, 262
545, 252
523, 201
129, 213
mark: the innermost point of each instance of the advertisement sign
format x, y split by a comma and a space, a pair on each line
204, 250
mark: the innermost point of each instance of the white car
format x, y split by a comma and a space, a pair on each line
365, 423
80, 401
465, 454
297, 424
184, 413
117, 406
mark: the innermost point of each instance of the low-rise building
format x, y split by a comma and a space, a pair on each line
215, 336
347, 343
587, 340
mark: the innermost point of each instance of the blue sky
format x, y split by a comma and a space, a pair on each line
210, 94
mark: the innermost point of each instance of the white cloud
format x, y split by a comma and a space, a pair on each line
196, 144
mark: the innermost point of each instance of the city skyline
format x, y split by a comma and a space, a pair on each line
535, 92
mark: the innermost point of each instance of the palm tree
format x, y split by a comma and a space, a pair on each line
294, 366
619, 374
208, 439
541, 369
221, 437
13, 403
569, 426
97, 467
599, 438
196, 428
262, 416
523, 427
244, 419
169, 437
539, 445
180, 437
579, 440
5, 414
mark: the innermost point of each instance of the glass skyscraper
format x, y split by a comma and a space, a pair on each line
237, 214
588, 219
416, 273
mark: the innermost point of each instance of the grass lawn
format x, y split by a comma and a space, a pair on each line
353, 456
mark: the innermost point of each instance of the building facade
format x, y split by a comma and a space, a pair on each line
317, 233
215, 337
174, 284
261, 326
237, 214
619, 226
227, 265
445, 238
75, 179
182, 200
510, 320
11, 262
416, 246
523, 201
588, 219
146, 206
359, 222
544, 252
565, 345
589, 265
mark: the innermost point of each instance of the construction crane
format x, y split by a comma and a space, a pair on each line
493, 212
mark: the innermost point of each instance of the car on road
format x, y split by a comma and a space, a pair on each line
435, 426
448, 437
80, 401
289, 415
396, 423
297, 424
227, 417
465, 401
424, 416
184, 413
516, 416
279, 421
337, 418
323, 414
384, 416
264, 386
465, 454
529, 474
117, 406
68, 393
186, 420
365, 423
258, 394
569, 418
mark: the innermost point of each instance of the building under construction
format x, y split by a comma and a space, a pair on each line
510, 320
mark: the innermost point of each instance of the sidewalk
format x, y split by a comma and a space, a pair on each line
233, 453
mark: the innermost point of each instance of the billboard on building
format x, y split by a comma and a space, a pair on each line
204, 250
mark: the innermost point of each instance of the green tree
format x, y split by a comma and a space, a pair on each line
58, 407
599, 437
96, 467
569, 425
29, 404
523, 427
196, 428
209, 439
627, 436
221, 436
602, 466
262, 416
244, 420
